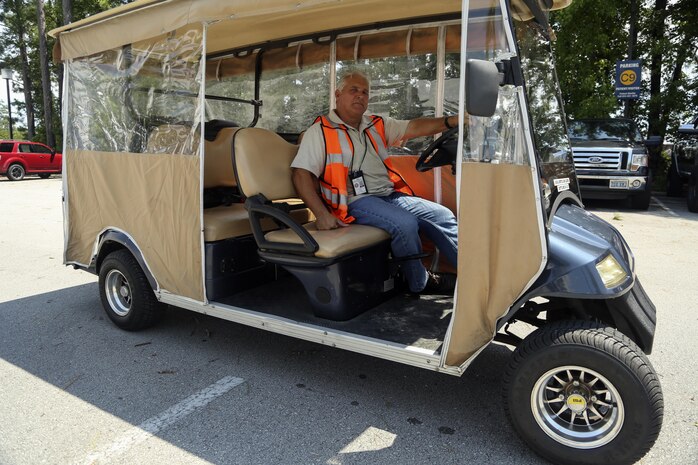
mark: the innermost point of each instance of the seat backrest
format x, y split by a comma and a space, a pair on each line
262, 161
218, 160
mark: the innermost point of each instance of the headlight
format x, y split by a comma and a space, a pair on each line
639, 160
610, 271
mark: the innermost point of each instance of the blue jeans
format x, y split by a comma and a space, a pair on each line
403, 216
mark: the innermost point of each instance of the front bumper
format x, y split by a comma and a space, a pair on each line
611, 186
635, 315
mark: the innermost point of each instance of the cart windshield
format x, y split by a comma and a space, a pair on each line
544, 101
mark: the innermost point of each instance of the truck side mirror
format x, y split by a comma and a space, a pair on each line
482, 80
653, 141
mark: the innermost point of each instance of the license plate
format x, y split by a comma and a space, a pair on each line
618, 184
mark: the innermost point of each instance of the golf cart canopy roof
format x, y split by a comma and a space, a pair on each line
243, 23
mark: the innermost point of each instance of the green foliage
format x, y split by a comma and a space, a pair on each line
593, 34
590, 38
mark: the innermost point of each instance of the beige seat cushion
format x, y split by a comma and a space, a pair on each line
233, 221
218, 160
334, 242
262, 162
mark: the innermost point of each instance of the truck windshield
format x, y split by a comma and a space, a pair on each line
686, 145
615, 130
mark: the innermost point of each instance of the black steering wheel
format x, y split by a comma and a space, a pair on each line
441, 152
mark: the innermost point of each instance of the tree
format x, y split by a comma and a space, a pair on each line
590, 39
594, 34
671, 44
45, 76
16, 19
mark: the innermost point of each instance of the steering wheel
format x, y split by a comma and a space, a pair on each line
438, 155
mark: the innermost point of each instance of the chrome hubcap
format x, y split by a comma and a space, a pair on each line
118, 292
577, 407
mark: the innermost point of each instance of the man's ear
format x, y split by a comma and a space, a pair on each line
337, 92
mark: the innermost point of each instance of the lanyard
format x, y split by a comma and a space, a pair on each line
364, 155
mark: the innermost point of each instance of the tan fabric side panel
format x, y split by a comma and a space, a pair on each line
499, 252
153, 198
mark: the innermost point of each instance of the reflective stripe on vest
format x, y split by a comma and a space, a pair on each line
339, 152
338, 155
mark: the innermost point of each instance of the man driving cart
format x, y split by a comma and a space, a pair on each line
344, 174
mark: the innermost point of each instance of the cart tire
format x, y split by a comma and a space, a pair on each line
580, 393
692, 197
15, 172
126, 295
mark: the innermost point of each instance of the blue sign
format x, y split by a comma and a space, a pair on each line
628, 79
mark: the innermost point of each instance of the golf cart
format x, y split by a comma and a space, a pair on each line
182, 118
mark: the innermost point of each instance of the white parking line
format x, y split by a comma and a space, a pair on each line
665, 208
152, 426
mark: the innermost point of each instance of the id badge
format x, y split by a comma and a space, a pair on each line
357, 180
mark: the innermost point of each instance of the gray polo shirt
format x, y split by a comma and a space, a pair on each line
311, 154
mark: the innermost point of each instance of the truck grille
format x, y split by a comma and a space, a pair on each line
600, 159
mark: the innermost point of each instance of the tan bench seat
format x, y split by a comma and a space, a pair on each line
334, 242
233, 221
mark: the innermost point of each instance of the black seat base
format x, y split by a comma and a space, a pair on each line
232, 265
343, 288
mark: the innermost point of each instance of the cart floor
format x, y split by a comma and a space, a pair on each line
417, 322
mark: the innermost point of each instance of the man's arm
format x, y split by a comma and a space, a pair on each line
419, 127
306, 184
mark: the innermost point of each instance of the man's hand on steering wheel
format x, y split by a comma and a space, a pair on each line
435, 155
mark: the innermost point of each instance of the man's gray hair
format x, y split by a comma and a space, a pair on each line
351, 74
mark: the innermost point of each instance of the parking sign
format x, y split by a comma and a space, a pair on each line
628, 79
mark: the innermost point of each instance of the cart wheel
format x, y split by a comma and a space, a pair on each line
582, 393
126, 294
15, 172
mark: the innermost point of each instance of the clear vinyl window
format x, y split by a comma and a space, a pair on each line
499, 138
294, 97
141, 98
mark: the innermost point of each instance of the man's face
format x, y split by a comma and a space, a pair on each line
352, 100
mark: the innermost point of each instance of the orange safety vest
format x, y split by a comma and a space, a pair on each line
339, 151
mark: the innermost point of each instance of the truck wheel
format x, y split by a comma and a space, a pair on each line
692, 197
15, 172
582, 393
674, 184
126, 295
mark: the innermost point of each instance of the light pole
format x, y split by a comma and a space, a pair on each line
7, 76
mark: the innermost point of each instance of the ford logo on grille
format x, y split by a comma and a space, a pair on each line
595, 160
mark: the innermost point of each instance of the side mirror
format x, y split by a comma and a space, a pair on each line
653, 141
482, 80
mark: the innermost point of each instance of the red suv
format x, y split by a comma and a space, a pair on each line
20, 157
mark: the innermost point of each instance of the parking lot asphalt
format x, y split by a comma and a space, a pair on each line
197, 390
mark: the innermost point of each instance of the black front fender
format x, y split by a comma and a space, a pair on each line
577, 242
